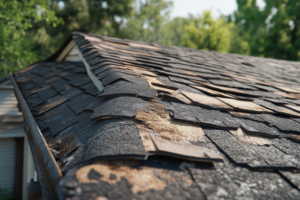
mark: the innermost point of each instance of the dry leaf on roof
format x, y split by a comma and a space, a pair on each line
244, 137
158, 119
141, 179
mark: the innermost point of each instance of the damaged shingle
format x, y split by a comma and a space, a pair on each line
120, 107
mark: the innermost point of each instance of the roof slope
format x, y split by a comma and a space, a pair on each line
187, 124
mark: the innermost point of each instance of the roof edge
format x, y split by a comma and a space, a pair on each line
50, 170
60, 50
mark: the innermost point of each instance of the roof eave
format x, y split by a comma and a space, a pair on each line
49, 169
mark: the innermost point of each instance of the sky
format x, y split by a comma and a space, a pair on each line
181, 8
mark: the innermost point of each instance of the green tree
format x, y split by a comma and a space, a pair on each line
16, 17
148, 20
272, 31
89, 16
203, 32
173, 31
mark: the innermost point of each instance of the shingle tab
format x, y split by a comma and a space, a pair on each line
207, 101
245, 106
120, 107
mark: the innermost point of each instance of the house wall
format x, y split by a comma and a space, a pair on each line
73, 55
7, 165
16, 162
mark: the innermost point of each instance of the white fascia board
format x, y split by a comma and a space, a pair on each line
91, 74
65, 52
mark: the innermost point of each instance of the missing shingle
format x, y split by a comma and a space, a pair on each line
159, 120
156, 84
64, 144
207, 101
141, 179
245, 105
212, 92
246, 138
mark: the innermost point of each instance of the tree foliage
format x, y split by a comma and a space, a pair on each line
151, 23
203, 32
32, 30
16, 17
148, 20
89, 16
272, 31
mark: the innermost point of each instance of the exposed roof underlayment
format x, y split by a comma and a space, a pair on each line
135, 120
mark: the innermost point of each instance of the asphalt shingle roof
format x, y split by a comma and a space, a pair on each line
171, 123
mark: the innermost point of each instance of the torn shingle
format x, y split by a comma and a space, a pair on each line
207, 101
254, 156
283, 123
114, 138
84, 102
118, 76
245, 105
120, 107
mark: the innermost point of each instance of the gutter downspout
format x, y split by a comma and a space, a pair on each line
48, 166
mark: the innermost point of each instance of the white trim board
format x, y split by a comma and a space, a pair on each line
65, 52
91, 74
72, 53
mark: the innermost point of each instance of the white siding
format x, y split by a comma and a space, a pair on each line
13, 132
28, 168
8, 103
9, 106
73, 55
7, 163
